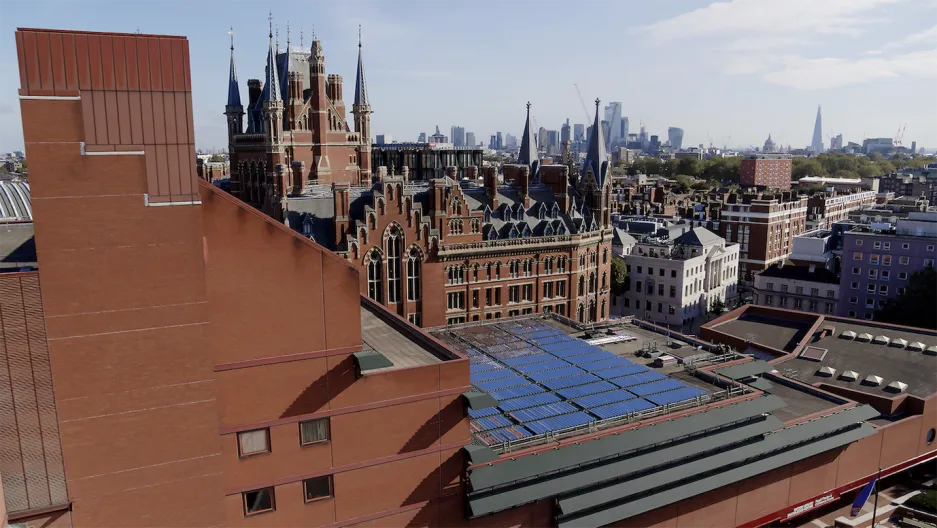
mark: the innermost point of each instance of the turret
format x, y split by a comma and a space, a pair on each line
272, 102
361, 109
528, 154
593, 183
234, 110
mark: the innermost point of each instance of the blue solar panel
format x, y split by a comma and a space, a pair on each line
638, 379
574, 351
516, 392
675, 396
491, 375
592, 356
607, 363
562, 383
530, 358
501, 383
556, 373
620, 372
657, 386
481, 413
540, 413
621, 408
515, 432
533, 400
492, 422
564, 345
559, 422
483, 366
545, 365
604, 398
585, 390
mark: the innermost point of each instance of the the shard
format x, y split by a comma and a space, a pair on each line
816, 146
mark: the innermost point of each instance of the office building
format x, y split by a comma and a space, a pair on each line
579, 132
810, 288
624, 129
458, 136
672, 281
914, 183
878, 261
771, 171
510, 141
829, 207
565, 132
439, 138
764, 225
883, 146
470, 140
836, 143
499, 143
613, 116
383, 139
675, 136
421, 138
816, 146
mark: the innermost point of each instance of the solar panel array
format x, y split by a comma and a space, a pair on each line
545, 380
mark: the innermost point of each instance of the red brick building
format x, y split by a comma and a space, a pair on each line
764, 225
772, 171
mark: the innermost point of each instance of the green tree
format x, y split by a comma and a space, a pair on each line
3, 168
803, 167
916, 306
217, 157
619, 276
876, 156
718, 307
690, 167
683, 184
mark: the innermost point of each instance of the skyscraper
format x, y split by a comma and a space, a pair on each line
564, 132
458, 136
816, 146
624, 128
422, 137
499, 144
675, 135
613, 116
579, 132
470, 139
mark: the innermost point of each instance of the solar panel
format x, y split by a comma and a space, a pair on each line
607, 363
585, 390
622, 408
502, 383
482, 366
562, 383
556, 373
478, 377
656, 387
481, 413
620, 372
675, 396
540, 413
530, 358
533, 400
516, 392
604, 398
543, 365
559, 422
507, 434
491, 422
638, 379
592, 356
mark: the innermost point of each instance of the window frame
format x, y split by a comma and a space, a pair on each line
242, 454
328, 432
273, 501
331, 492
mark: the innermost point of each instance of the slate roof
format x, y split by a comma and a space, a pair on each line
361, 84
234, 93
698, 236
528, 153
596, 155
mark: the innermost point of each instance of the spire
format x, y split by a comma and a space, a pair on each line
528, 153
361, 85
234, 93
817, 144
272, 82
596, 157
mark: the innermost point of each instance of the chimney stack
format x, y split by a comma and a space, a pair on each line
299, 169
335, 88
253, 91
491, 186
341, 203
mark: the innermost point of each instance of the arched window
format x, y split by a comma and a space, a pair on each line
592, 283
592, 310
393, 265
488, 267
605, 256
581, 313
475, 273
413, 275
375, 282
604, 278
582, 261
603, 308
582, 286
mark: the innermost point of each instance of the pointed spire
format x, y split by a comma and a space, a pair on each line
300, 37
596, 157
234, 93
271, 90
361, 85
528, 154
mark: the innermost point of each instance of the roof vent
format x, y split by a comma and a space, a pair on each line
849, 375
916, 346
813, 353
872, 380
931, 350
864, 337
881, 340
826, 372
896, 386
848, 334
900, 343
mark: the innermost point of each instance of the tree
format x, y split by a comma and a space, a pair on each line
619, 276
916, 306
217, 157
718, 306
690, 167
803, 167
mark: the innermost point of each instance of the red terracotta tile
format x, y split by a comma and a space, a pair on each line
107, 62
193, 174
113, 121
94, 62
162, 170
156, 82
71, 62
185, 65
32, 61
130, 55
152, 181
185, 174
120, 63
100, 118
57, 58
21, 60
146, 115
190, 118
136, 118
81, 61
169, 109
143, 63
123, 117
159, 119
166, 60
181, 118
172, 156
44, 53
178, 65
87, 116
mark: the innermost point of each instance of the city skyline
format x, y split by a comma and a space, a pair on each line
751, 80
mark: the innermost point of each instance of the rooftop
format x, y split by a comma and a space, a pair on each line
383, 333
775, 332
801, 273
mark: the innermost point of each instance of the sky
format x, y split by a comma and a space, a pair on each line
728, 73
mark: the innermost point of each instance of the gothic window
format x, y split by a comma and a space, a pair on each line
513, 268
582, 285
488, 268
581, 313
528, 267
372, 220
390, 192
555, 212
592, 310
456, 274
604, 278
526, 232
582, 261
548, 231
413, 275
475, 273
561, 265
592, 283
605, 256
393, 265
475, 226
492, 233
375, 277
487, 214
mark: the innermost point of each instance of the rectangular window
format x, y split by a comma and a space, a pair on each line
873, 273
561, 288
456, 300
930, 247
830, 294
799, 290
829, 308
857, 256
258, 501
883, 289
771, 286
639, 269
877, 245
514, 294
547, 290
661, 272
906, 246
814, 292
498, 297
885, 274
528, 291
928, 263
455, 320
474, 298
873, 258
487, 296
660, 290
673, 291
315, 431
853, 300
886, 260
316, 488
856, 271
673, 274
886, 245
782, 302
870, 288
414, 319
852, 313
902, 275
650, 271
253, 442
784, 287
859, 242
797, 304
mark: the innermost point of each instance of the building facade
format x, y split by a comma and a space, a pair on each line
809, 288
764, 225
424, 161
772, 171
877, 264
912, 183
826, 208
673, 282
675, 136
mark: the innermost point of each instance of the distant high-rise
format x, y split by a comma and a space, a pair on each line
470, 139
816, 146
493, 142
422, 137
458, 136
613, 116
564, 132
606, 132
675, 135
624, 128
510, 141
383, 139
438, 137
837, 142
579, 132
913, 144
498, 141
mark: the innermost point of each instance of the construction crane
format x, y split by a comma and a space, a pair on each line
582, 102
899, 136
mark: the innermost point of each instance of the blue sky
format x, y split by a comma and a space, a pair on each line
731, 71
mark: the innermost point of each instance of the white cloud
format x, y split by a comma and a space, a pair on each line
812, 74
921, 37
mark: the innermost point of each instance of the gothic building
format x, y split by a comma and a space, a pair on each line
444, 251
294, 132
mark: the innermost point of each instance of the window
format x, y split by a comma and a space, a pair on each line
870, 288
814, 292
528, 291
853, 300
883, 289
498, 297
902, 275
650, 271
886, 260
661, 272
456, 300
547, 290
873, 273
928, 263
856, 271
782, 302
660, 290
561, 288
414, 319
413, 275
258, 501
870, 303
877, 245
315, 431
906, 246
253, 442
673, 291
627, 302
930, 247
639, 269
375, 284
873, 258
830, 294
771, 286
829, 308
799, 290
769, 300
393, 266
784, 287
474, 298
813, 306
886, 245
859, 242
456, 274
316, 488
852, 313
561, 265
798, 303
885, 274
901, 291
514, 294
857, 256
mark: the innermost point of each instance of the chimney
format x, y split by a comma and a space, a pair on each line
381, 173
452, 172
299, 169
437, 203
491, 186
471, 172
522, 184
556, 177
341, 203
405, 173
253, 91
335, 87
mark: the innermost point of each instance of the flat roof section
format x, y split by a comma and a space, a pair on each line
800, 401
782, 334
389, 341
892, 363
